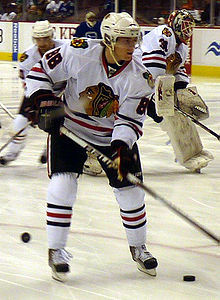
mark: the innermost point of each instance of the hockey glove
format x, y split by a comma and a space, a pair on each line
51, 114
173, 62
123, 157
46, 110
151, 112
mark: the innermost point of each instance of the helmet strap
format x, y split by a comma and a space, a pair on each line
111, 50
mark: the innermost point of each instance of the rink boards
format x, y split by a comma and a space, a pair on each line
204, 56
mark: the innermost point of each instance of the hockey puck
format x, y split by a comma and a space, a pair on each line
189, 278
25, 237
43, 159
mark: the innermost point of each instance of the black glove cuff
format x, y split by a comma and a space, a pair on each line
116, 144
151, 112
180, 85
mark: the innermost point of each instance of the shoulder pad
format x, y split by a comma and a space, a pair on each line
23, 57
79, 43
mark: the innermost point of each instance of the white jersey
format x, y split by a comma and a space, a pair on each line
157, 46
30, 57
100, 108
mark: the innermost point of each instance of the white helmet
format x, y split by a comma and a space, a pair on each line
116, 25
42, 29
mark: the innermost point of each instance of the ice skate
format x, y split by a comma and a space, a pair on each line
15, 148
8, 157
58, 261
145, 261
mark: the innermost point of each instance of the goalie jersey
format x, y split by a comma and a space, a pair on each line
100, 106
158, 47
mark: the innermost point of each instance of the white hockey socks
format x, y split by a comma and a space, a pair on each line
61, 197
133, 213
19, 141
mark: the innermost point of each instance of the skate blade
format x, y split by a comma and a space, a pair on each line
151, 272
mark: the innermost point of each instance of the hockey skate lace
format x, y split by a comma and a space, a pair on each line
144, 254
61, 256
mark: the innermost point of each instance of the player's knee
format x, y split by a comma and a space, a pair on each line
130, 197
20, 122
62, 189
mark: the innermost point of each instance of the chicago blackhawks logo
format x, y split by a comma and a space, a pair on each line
166, 32
79, 43
23, 57
99, 100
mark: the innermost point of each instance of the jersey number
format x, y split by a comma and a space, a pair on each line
141, 109
54, 58
163, 44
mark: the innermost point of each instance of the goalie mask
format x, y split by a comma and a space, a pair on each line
115, 25
182, 23
42, 29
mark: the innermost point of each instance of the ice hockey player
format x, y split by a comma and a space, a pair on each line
165, 52
42, 34
105, 108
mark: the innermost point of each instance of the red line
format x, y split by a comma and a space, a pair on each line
154, 58
68, 216
39, 70
134, 218
103, 129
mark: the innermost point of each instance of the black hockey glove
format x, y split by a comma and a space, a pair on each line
151, 112
51, 114
180, 85
123, 157
47, 110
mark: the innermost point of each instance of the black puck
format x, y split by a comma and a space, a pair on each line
189, 278
43, 159
25, 237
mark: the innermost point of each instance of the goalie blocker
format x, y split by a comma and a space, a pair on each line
182, 132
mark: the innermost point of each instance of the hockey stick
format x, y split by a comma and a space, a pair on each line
14, 136
197, 122
134, 180
7, 111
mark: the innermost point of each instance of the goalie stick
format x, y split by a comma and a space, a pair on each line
134, 180
7, 111
197, 122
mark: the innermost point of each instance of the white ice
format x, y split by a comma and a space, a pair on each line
102, 267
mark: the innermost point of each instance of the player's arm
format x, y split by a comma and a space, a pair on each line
176, 66
46, 108
128, 128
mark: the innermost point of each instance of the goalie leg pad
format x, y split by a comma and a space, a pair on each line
186, 142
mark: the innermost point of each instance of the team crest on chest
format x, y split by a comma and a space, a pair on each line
79, 43
166, 32
99, 100
23, 57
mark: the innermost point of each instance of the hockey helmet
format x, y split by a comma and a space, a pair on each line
182, 23
116, 25
42, 29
